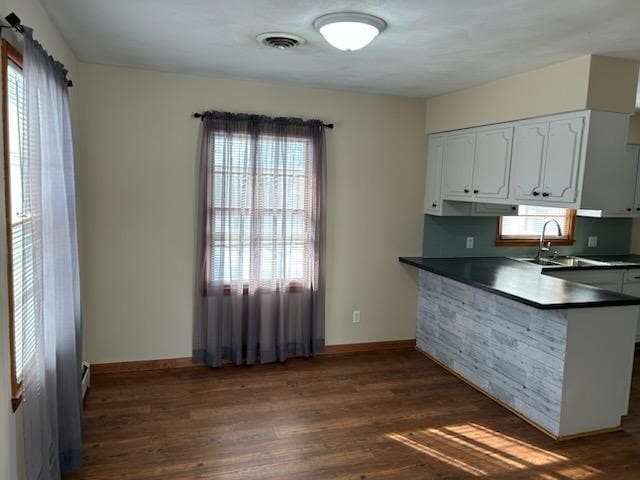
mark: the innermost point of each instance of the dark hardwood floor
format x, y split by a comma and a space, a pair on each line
392, 415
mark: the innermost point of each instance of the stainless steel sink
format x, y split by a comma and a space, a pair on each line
538, 261
576, 262
564, 261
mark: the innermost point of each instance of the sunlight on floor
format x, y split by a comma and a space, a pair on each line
480, 451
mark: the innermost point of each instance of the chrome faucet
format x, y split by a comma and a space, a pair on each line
541, 247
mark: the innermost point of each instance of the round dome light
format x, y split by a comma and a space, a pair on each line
349, 31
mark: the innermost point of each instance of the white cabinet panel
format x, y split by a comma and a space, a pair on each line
457, 167
432, 194
626, 196
529, 147
492, 163
633, 152
626, 188
632, 287
562, 161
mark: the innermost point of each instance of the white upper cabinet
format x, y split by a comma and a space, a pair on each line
492, 163
570, 160
432, 194
628, 190
529, 148
562, 163
459, 150
546, 160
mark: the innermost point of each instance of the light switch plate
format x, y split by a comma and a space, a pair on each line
469, 242
592, 242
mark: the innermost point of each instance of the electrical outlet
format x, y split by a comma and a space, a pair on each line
356, 316
592, 242
469, 242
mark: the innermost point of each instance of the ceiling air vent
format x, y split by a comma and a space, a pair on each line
280, 40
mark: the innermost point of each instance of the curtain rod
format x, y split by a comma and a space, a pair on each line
201, 115
16, 24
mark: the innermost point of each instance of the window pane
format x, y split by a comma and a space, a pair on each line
21, 232
17, 139
531, 219
259, 217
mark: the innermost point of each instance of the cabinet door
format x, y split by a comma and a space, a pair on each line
563, 160
432, 197
626, 190
529, 147
633, 152
459, 150
633, 289
492, 163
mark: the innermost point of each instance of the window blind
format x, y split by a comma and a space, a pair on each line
21, 226
261, 209
531, 219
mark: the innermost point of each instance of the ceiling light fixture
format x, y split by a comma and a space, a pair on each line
349, 31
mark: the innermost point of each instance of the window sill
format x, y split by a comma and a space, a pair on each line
16, 399
532, 242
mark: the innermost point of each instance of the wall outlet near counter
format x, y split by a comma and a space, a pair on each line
470, 242
592, 242
356, 316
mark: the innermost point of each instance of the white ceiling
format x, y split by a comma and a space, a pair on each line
430, 46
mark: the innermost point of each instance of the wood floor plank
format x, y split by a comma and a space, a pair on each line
373, 416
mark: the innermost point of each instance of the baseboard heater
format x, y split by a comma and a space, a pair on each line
86, 378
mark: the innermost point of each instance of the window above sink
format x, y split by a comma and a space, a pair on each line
524, 229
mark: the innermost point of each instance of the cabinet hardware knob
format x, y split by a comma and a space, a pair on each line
637, 209
535, 194
466, 190
514, 208
629, 209
476, 191
545, 194
434, 205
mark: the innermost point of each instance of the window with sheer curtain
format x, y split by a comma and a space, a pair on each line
260, 239
260, 210
525, 227
20, 227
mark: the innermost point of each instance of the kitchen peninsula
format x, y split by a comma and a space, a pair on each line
556, 352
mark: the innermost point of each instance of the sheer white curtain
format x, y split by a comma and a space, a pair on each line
51, 377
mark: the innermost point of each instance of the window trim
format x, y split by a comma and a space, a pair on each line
9, 53
529, 241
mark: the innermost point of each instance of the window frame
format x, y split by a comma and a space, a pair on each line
529, 241
9, 53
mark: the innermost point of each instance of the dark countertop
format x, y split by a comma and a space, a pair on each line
522, 282
614, 261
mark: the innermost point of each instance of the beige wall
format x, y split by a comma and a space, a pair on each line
138, 170
594, 82
33, 15
556, 88
613, 84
